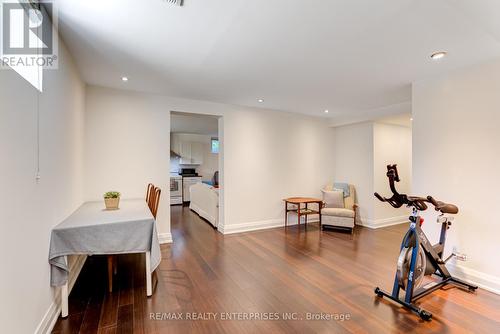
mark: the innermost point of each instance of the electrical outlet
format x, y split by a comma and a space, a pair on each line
175, 2
461, 256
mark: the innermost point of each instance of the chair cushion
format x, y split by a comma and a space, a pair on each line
339, 212
333, 199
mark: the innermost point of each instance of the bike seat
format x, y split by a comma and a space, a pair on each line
446, 207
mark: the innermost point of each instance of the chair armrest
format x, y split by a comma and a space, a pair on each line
354, 207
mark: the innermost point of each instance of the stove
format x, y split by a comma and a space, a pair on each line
176, 188
188, 172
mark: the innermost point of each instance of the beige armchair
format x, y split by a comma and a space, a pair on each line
338, 216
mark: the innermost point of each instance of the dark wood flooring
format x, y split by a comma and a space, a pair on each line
291, 271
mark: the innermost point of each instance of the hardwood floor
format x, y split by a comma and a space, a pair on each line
276, 271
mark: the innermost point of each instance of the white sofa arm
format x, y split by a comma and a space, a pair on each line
205, 202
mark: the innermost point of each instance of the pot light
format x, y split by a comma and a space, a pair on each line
411, 119
326, 111
260, 100
124, 79
438, 55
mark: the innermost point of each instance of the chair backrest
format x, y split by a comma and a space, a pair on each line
155, 201
148, 193
215, 178
350, 200
153, 198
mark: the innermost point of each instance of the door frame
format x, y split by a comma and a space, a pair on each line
220, 161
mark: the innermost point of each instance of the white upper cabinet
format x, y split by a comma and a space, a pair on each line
185, 153
189, 147
175, 144
196, 153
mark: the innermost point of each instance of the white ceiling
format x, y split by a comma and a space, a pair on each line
351, 57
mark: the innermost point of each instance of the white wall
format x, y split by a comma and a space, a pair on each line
28, 210
456, 159
210, 161
362, 152
354, 163
127, 146
267, 155
392, 144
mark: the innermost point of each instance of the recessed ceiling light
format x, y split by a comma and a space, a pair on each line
411, 119
438, 55
124, 79
260, 100
326, 111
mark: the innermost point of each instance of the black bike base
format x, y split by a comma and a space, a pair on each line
421, 312
425, 315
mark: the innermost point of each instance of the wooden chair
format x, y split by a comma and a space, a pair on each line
152, 198
155, 201
149, 193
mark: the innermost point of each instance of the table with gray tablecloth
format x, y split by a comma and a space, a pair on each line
93, 230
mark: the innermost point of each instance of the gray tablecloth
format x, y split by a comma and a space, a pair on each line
93, 230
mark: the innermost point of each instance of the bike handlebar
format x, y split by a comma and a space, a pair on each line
397, 200
432, 200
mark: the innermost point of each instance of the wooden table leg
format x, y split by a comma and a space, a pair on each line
110, 273
298, 214
286, 213
305, 218
149, 287
64, 295
320, 205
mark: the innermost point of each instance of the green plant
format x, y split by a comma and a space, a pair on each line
112, 194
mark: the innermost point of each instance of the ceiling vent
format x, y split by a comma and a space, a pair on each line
175, 2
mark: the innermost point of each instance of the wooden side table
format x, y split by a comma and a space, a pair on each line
298, 201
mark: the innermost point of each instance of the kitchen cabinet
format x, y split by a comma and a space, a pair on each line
196, 153
187, 182
189, 149
185, 153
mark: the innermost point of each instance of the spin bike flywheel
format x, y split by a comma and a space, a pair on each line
403, 268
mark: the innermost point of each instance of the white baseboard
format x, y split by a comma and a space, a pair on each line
260, 225
273, 223
485, 281
252, 226
49, 319
378, 223
165, 238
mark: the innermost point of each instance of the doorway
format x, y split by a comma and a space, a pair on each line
196, 166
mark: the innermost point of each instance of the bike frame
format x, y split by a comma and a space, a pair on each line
433, 256
430, 253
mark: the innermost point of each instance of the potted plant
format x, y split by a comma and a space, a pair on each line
112, 200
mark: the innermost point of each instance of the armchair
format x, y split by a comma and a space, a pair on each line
341, 215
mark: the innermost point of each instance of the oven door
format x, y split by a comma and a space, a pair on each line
175, 187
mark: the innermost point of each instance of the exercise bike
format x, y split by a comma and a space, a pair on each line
418, 257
